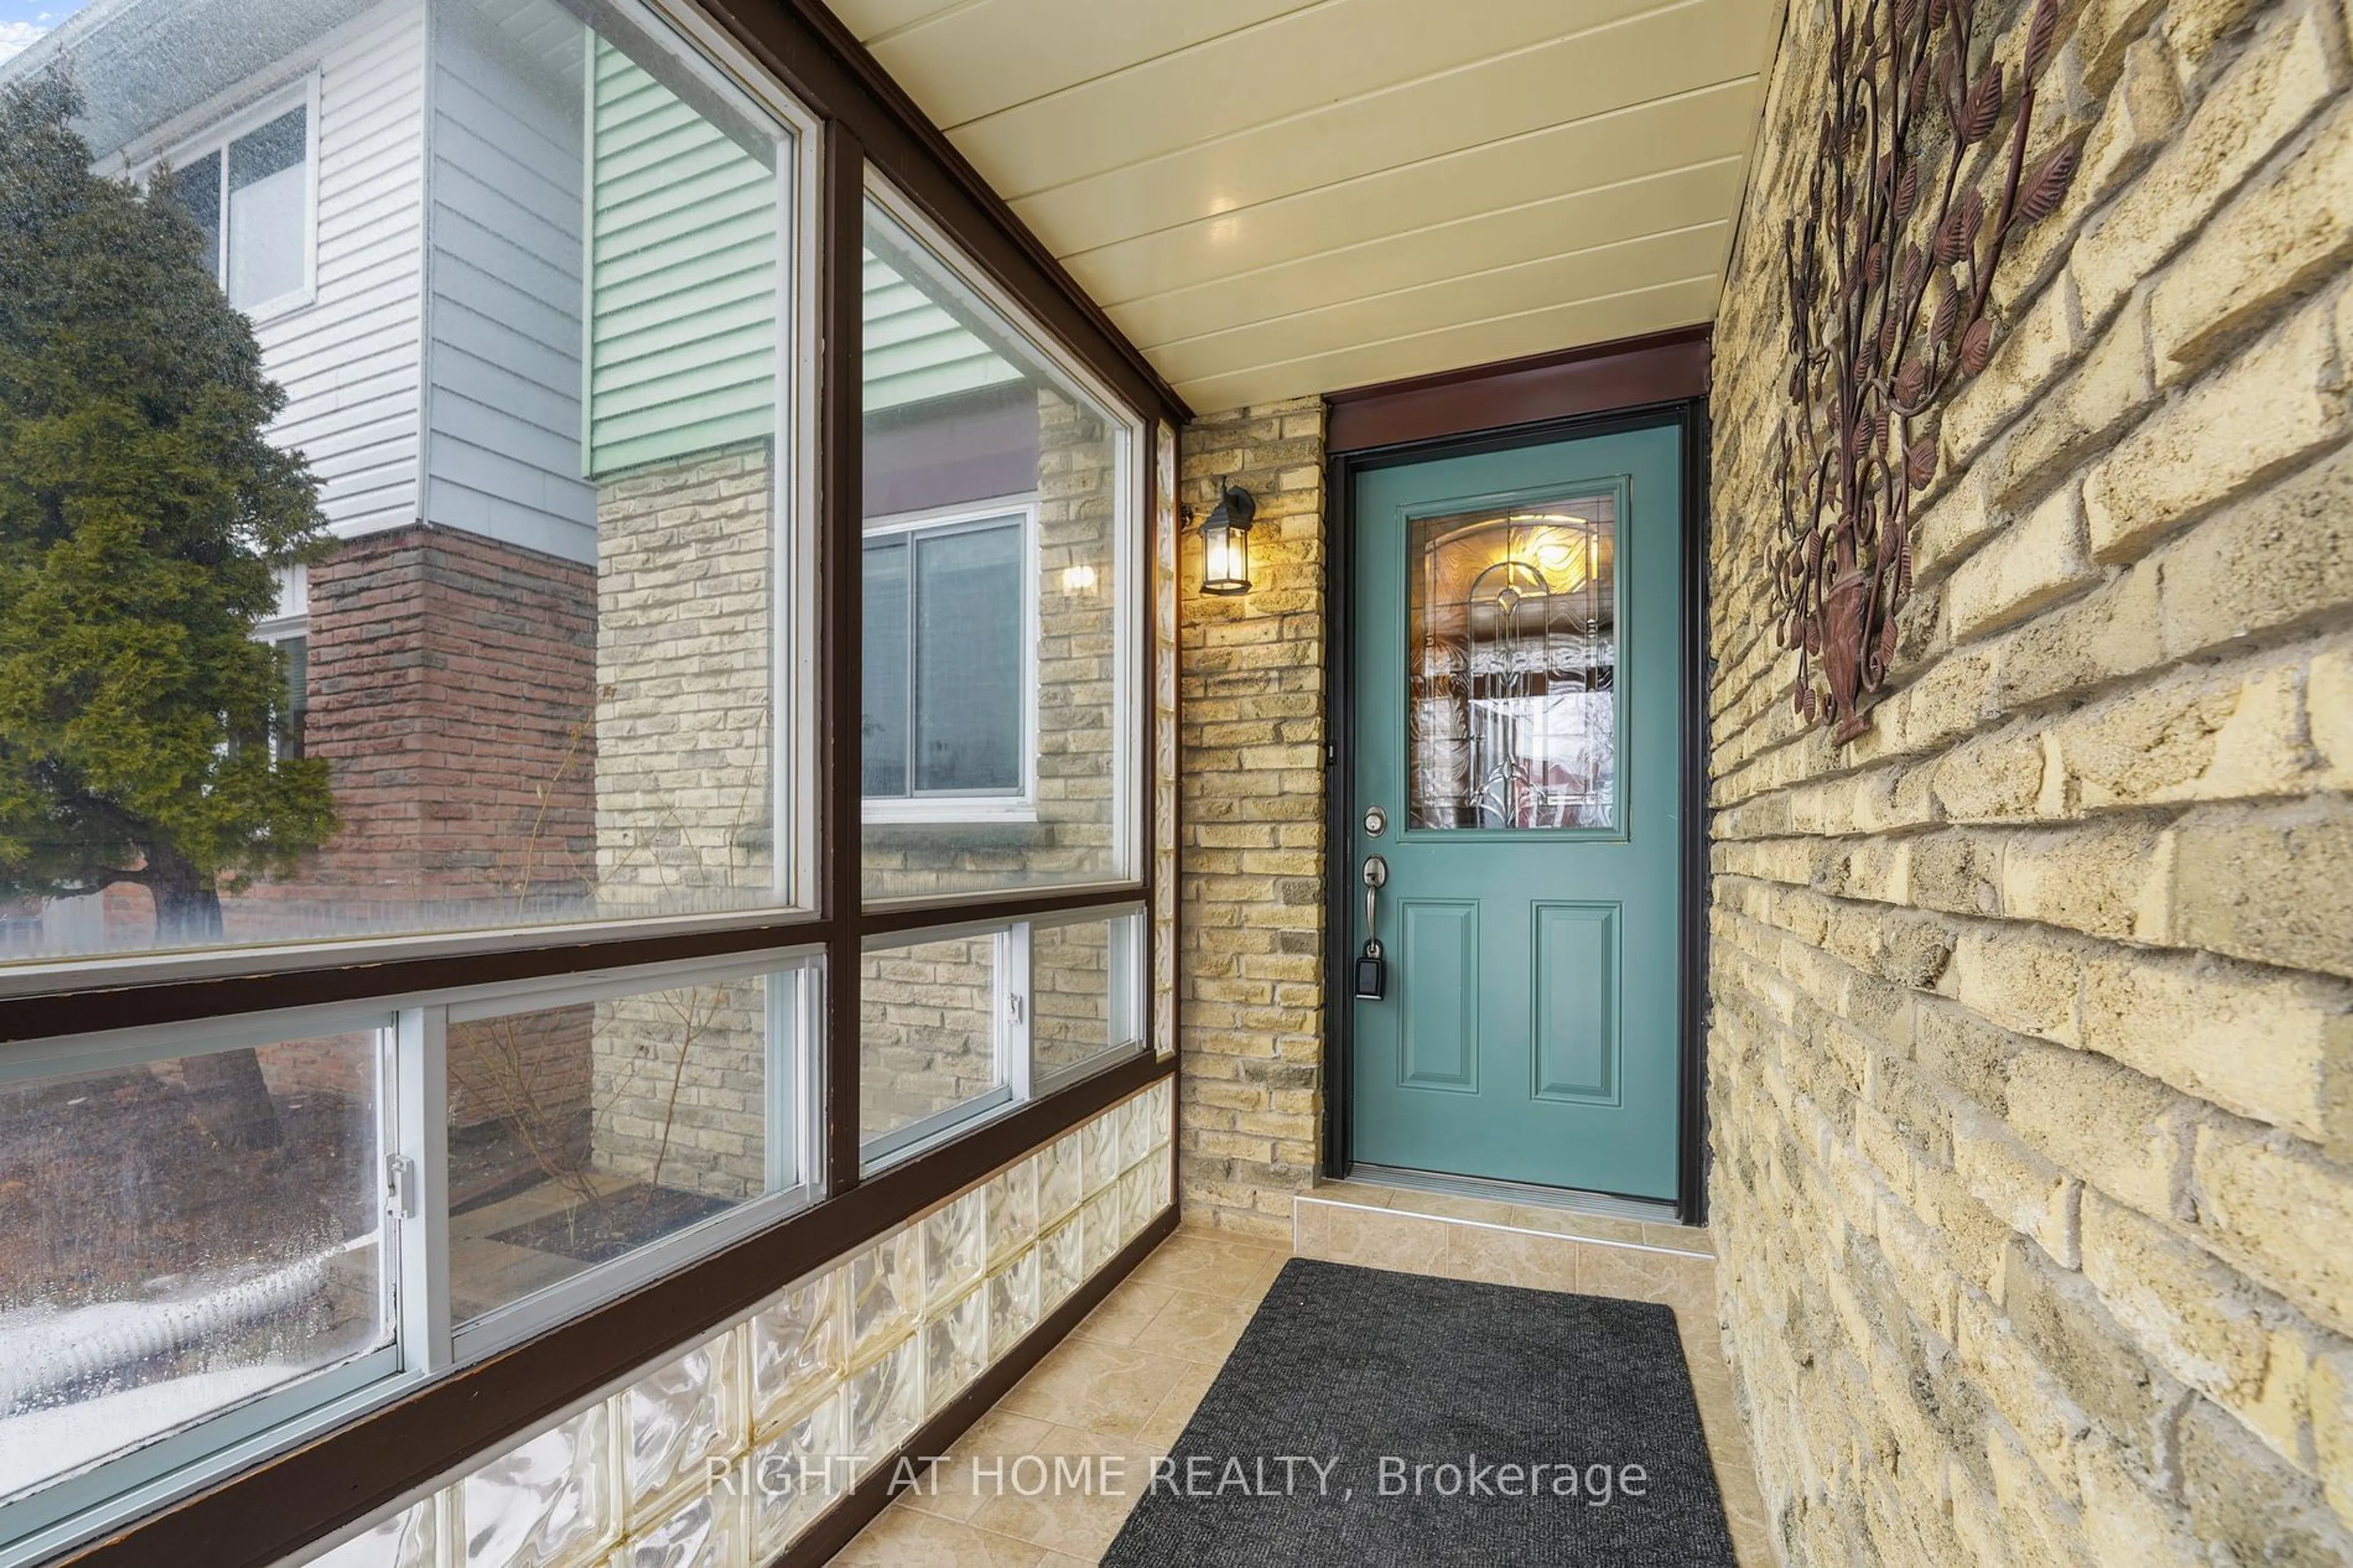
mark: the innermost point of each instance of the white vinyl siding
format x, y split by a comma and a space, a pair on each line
915, 351
683, 248
349, 361
503, 372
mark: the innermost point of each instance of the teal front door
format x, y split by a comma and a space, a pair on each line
1519, 685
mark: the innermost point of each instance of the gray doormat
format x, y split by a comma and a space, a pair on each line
1342, 1431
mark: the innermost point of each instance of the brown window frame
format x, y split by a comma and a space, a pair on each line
280, 1506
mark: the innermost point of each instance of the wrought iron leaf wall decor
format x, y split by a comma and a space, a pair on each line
1911, 201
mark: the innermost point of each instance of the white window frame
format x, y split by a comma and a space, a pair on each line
795, 1110
216, 138
238, 1433
412, 1120
275, 632
1018, 1082
1020, 803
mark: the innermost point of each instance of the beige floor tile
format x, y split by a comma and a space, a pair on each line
903, 1536
1122, 1314
954, 1488
1095, 1387
1568, 1222
1719, 1408
1631, 1274
1450, 1205
1682, 1237
1744, 1511
1197, 1328
1381, 1238
1515, 1258
1074, 1502
1307, 1226
1253, 1229
1213, 1266
1177, 1407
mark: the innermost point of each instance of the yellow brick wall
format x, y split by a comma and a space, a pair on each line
1251, 844
2030, 1054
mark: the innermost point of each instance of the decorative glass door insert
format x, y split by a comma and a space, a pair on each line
1512, 714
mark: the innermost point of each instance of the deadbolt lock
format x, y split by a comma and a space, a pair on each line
1377, 821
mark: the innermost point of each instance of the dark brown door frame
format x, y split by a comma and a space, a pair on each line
1638, 384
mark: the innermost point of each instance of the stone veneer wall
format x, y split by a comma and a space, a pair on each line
684, 807
2030, 1069
1250, 835
683, 683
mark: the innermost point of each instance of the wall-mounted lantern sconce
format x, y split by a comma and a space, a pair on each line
1225, 543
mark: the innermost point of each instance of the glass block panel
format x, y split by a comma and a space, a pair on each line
1010, 1204
706, 1532
1059, 1179
1102, 1238
407, 1539
1163, 1180
797, 1474
799, 1345
1012, 1302
1134, 1192
951, 1246
1061, 1263
886, 1402
886, 1287
1099, 1148
1134, 1130
678, 1416
180, 1235
546, 1504
1159, 1095
956, 1347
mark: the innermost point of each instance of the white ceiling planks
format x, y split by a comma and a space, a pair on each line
1277, 197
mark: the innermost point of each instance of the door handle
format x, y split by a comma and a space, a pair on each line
1376, 877
1372, 974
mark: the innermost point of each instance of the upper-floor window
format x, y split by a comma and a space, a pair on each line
250, 194
293, 647
949, 700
